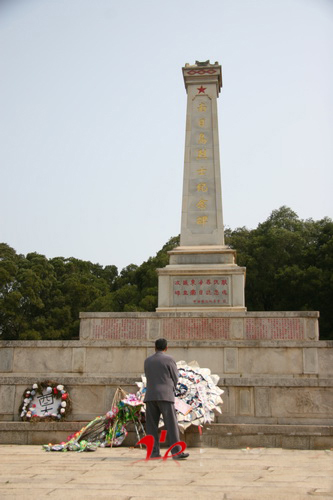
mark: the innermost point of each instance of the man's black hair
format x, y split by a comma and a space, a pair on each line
161, 344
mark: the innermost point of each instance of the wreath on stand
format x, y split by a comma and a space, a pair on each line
44, 402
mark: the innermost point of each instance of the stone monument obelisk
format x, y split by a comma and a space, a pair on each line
202, 273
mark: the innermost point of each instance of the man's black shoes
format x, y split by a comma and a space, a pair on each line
181, 456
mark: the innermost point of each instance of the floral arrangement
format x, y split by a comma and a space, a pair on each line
45, 401
109, 430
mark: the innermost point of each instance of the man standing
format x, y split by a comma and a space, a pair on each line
162, 376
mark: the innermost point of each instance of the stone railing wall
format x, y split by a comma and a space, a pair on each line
200, 326
264, 381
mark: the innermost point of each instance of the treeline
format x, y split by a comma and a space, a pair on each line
289, 265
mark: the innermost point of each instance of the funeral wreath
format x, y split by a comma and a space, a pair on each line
45, 401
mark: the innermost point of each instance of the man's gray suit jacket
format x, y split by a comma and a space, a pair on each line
162, 377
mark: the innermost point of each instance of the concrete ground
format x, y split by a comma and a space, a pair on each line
210, 473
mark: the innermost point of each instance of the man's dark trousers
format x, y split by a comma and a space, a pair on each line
154, 409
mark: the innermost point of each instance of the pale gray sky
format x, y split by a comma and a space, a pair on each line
92, 118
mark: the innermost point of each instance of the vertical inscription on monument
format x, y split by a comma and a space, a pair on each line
202, 192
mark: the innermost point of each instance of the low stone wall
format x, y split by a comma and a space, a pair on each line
271, 382
264, 381
200, 326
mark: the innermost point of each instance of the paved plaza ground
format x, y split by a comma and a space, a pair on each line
210, 473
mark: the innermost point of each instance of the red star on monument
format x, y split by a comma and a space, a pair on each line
201, 89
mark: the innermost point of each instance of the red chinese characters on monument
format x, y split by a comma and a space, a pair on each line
119, 329
274, 329
201, 290
195, 328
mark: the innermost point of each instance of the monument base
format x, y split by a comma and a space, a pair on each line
204, 278
275, 373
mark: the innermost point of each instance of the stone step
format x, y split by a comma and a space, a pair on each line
213, 435
261, 435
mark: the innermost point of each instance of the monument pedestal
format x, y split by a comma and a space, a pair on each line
276, 376
204, 278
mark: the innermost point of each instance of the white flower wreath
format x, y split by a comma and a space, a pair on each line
45, 401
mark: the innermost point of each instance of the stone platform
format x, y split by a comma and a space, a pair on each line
228, 436
275, 373
205, 325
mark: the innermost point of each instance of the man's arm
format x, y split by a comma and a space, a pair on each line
173, 372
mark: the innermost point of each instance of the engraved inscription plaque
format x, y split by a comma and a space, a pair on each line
118, 329
196, 328
274, 329
201, 291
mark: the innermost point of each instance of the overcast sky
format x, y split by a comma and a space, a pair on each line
92, 118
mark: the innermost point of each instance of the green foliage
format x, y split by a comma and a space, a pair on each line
41, 299
289, 265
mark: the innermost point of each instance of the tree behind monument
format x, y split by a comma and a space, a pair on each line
289, 265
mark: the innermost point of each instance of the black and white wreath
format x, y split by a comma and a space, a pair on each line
198, 397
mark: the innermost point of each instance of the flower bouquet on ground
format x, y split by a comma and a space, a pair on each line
198, 397
109, 430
